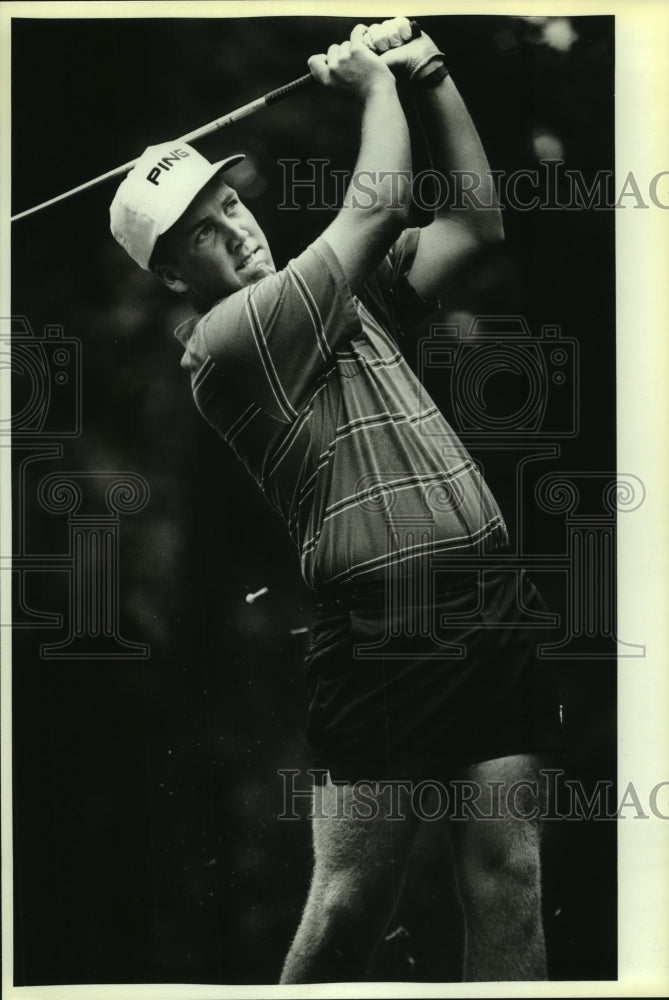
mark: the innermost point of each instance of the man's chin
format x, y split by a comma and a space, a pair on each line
259, 270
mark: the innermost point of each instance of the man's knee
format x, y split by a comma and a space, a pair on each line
359, 866
502, 874
354, 896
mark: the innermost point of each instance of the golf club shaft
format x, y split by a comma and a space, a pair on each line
301, 83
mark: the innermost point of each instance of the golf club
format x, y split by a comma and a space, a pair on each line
301, 83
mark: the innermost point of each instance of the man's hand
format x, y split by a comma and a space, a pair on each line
407, 58
351, 66
389, 34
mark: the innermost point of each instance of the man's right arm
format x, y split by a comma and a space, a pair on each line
371, 220
272, 341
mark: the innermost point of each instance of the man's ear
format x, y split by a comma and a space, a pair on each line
170, 277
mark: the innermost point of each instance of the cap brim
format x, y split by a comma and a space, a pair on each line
230, 161
216, 168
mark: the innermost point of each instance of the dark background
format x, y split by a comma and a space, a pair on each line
147, 847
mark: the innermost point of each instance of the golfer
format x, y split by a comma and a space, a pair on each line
301, 371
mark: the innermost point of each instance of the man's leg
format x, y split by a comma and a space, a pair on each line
498, 871
359, 868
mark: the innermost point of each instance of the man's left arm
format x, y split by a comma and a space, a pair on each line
455, 235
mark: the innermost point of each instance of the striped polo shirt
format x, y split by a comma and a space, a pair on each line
309, 387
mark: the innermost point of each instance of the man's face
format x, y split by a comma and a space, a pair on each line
216, 247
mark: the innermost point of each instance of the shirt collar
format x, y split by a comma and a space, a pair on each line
184, 331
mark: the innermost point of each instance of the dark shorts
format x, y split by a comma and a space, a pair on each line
399, 690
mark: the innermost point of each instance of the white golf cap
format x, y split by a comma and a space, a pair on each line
157, 192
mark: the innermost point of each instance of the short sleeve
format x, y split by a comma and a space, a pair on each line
388, 293
273, 340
